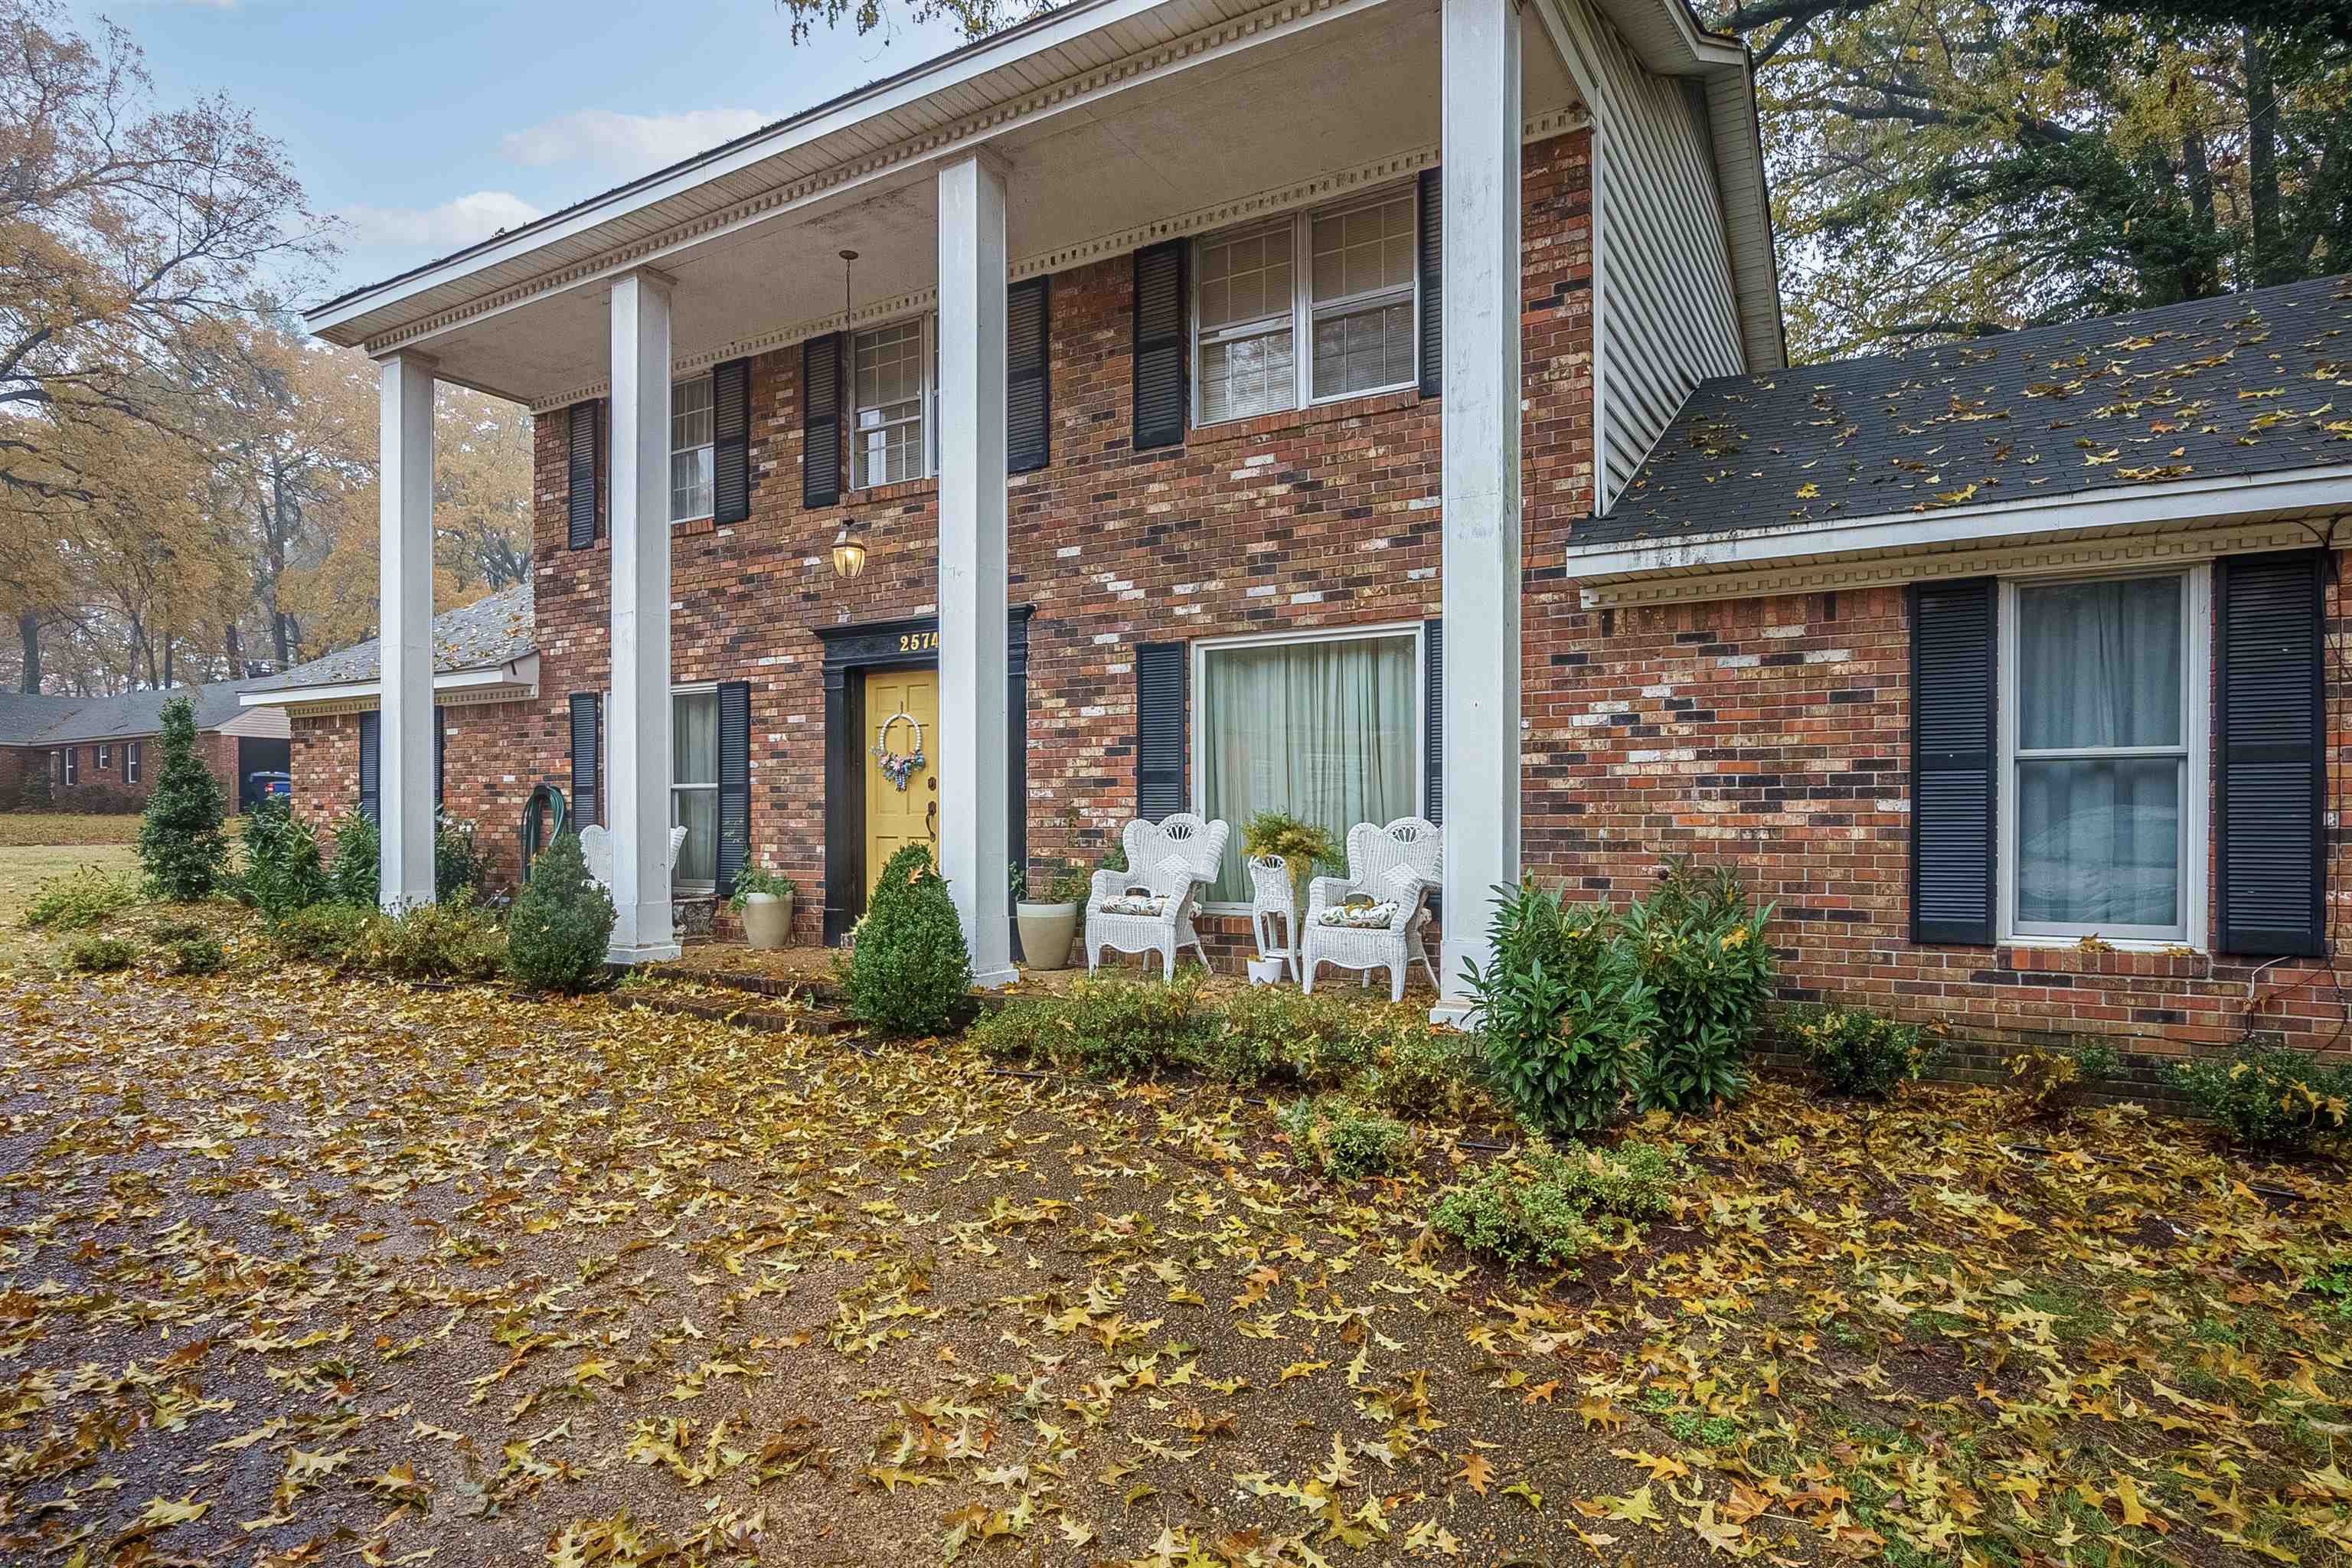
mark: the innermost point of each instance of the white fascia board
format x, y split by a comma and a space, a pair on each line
2183, 502
892, 93
520, 672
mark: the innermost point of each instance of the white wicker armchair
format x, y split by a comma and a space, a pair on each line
1148, 908
596, 848
1395, 866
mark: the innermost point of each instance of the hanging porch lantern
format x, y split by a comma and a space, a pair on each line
849, 554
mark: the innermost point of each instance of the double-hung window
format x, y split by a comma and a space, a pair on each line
894, 391
2102, 703
690, 449
73, 772
131, 762
1272, 334
1326, 728
106, 759
694, 786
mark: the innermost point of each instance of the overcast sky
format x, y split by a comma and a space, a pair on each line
428, 124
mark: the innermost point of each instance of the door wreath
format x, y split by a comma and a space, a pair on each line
899, 766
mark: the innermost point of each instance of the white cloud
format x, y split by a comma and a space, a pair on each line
627, 144
449, 226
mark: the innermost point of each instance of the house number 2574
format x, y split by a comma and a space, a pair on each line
919, 642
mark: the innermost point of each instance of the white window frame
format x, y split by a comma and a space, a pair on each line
131, 761
73, 766
105, 757
710, 446
1303, 307
1197, 720
692, 689
927, 412
2195, 750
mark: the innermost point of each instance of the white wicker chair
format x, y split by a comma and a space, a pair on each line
1169, 865
596, 848
1273, 897
1397, 864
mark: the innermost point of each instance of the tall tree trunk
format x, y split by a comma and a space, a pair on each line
29, 643
167, 661
2261, 161
233, 645
281, 634
2201, 283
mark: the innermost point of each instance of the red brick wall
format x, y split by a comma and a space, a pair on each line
108, 789
495, 753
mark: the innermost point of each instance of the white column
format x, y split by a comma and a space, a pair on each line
405, 616
972, 576
637, 712
1480, 460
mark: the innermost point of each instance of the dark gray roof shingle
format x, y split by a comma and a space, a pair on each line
485, 634
2250, 384
58, 721
23, 720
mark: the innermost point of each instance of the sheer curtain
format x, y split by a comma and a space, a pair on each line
2099, 699
1322, 729
694, 783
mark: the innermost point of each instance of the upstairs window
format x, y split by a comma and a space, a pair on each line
893, 389
689, 450
1271, 334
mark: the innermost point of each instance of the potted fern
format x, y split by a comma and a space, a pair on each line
763, 902
1050, 925
1301, 844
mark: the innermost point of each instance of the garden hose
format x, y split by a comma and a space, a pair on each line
536, 833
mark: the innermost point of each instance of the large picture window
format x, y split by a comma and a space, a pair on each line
1351, 305
694, 786
893, 384
689, 450
2101, 707
1326, 728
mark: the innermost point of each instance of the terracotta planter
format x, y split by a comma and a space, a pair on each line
1046, 932
768, 919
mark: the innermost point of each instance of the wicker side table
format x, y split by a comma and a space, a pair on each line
1273, 897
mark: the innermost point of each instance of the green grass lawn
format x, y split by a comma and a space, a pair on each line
20, 829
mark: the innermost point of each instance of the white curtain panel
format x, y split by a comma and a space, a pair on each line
1324, 731
694, 734
2098, 670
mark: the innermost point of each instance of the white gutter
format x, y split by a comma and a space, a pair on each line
2182, 502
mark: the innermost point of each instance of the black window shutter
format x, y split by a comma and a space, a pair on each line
2271, 725
731, 441
1433, 720
1432, 286
1163, 364
734, 782
581, 470
440, 754
370, 768
1159, 669
1952, 760
1028, 413
585, 759
820, 420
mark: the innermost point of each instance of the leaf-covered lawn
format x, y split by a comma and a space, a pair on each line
21, 828
295, 1271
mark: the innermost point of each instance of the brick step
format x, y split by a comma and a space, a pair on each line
764, 1020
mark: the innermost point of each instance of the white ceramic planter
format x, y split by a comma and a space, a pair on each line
1265, 972
768, 919
1046, 932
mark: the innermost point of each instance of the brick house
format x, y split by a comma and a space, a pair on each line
1222, 408
100, 754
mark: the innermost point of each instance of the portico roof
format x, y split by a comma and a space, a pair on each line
1123, 123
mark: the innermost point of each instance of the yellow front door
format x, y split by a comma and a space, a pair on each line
897, 818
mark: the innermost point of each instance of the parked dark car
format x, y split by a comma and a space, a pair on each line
275, 786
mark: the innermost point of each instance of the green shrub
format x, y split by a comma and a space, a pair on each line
452, 940
1344, 1141
164, 933
1111, 1027
2278, 1100
79, 900
323, 933
181, 844
756, 878
99, 955
1697, 943
195, 955
1424, 1072
282, 873
1272, 1031
2054, 1080
459, 866
1551, 1207
354, 875
1862, 1053
1562, 1018
908, 969
561, 925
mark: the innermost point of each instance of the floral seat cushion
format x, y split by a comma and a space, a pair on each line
1362, 917
1151, 904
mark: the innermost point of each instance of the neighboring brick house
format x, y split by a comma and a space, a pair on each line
99, 753
1277, 490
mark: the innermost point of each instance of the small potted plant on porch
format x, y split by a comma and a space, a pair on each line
1048, 927
763, 902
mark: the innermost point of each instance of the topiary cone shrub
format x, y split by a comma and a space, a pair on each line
181, 844
561, 925
909, 967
